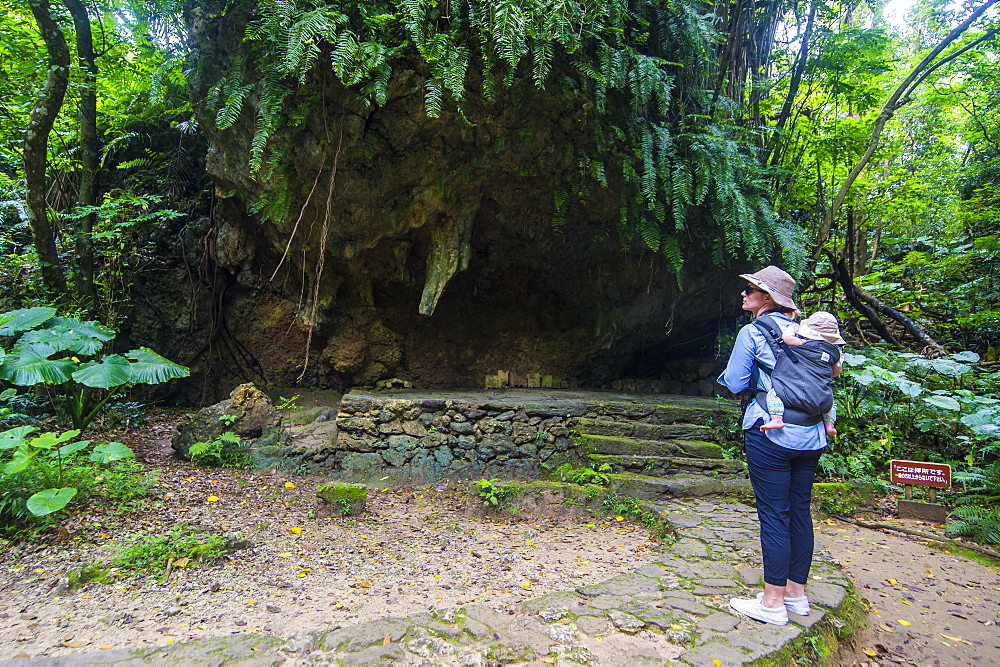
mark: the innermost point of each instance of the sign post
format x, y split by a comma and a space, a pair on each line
918, 473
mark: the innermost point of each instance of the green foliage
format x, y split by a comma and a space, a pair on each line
183, 545
492, 494
42, 467
979, 523
62, 354
583, 476
226, 450
627, 506
641, 67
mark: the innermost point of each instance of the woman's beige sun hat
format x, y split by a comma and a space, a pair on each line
775, 282
821, 325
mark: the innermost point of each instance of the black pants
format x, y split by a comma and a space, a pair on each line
782, 481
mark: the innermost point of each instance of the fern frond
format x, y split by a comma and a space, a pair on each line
432, 97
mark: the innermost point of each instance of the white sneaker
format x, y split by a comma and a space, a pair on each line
798, 606
755, 610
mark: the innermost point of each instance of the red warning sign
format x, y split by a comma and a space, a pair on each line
921, 474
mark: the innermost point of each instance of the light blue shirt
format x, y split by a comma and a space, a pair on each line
751, 345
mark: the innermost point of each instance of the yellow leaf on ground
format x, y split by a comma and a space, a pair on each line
716, 663
289, 485
526, 585
892, 581
870, 652
295, 530
904, 622
675, 626
619, 518
906, 602
39, 570
251, 602
286, 555
213, 499
182, 562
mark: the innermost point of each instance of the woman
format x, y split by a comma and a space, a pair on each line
781, 462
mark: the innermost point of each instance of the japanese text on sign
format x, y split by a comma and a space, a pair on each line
920, 473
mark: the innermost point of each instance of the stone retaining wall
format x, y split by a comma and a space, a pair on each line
420, 437
426, 436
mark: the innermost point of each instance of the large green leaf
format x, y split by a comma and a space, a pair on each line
91, 328
50, 439
23, 319
50, 500
944, 402
111, 451
71, 448
151, 368
19, 460
61, 338
29, 366
113, 371
11, 438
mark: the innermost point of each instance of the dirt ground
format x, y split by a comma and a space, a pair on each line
415, 550
927, 606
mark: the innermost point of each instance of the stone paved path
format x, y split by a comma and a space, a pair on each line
673, 610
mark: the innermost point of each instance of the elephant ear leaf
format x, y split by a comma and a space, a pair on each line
31, 365
50, 500
111, 451
24, 319
113, 371
91, 328
151, 368
62, 338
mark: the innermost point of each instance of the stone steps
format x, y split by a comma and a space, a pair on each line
661, 451
679, 485
603, 444
643, 430
660, 466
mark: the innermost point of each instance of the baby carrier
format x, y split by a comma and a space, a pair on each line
801, 375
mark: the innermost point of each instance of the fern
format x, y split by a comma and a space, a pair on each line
980, 523
432, 97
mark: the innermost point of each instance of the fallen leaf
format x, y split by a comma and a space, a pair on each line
675, 626
182, 562
870, 652
904, 622
213, 499
526, 585
619, 518
76, 644
289, 485
716, 663
295, 530
892, 581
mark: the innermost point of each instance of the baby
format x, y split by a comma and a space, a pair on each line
821, 325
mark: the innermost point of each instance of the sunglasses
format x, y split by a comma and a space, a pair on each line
750, 289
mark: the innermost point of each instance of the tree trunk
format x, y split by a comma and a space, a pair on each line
36, 142
870, 306
90, 148
793, 89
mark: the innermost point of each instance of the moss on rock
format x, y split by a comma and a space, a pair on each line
842, 498
341, 499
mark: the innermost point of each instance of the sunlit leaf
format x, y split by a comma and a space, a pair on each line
50, 500
111, 451
13, 437
943, 402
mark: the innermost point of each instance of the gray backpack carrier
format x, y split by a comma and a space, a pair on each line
801, 377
